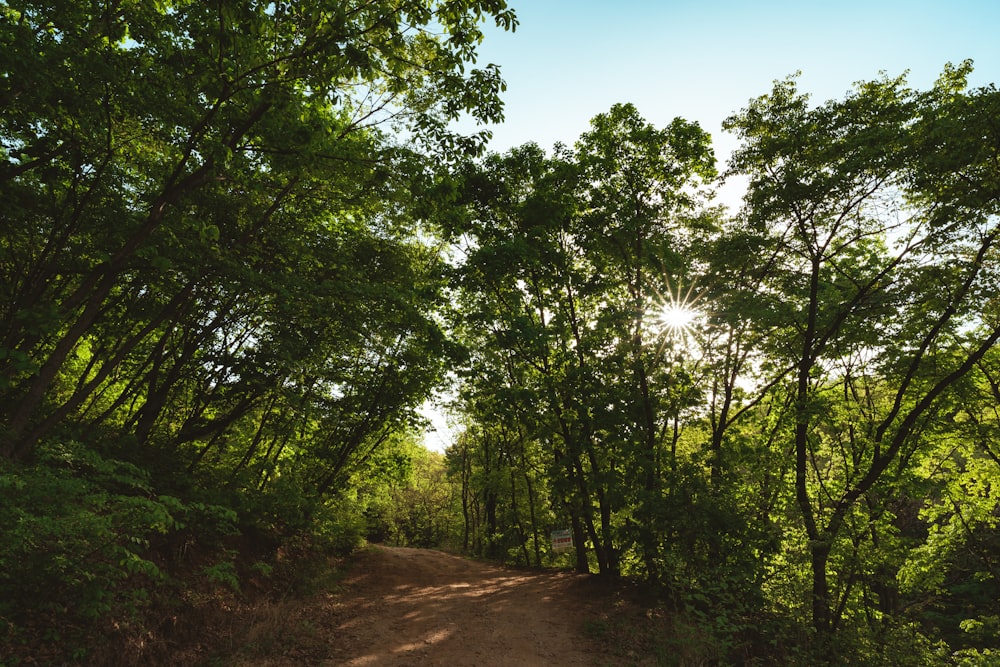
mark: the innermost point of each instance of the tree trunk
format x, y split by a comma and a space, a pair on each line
579, 540
820, 556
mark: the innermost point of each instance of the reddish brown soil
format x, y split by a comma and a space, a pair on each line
418, 607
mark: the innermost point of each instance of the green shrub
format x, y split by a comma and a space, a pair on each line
75, 536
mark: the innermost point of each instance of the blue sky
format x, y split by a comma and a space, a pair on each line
703, 59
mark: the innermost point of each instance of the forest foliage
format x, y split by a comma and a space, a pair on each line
218, 284
785, 418
242, 244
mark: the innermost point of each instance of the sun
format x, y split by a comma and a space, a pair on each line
676, 313
676, 317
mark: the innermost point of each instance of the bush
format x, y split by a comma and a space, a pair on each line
73, 527
75, 541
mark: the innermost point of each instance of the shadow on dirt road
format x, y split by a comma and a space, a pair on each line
418, 607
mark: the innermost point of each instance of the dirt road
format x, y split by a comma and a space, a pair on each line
417, 607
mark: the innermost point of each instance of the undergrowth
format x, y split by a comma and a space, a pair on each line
102, 565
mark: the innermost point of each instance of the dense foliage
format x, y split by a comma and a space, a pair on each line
217, 290
241, 245
783, 419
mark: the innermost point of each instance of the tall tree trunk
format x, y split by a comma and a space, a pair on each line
819, 552
579, 540
532, 516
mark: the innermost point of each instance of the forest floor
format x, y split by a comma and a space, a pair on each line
400, 606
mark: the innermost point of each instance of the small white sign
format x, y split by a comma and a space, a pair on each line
562, 540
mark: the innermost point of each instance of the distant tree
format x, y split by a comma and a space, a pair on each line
408, 497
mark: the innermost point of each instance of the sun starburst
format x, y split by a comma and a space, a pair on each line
674, 316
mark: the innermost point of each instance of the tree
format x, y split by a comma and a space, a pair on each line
568, 257
521, 314
637, 230
139, 141
883, 289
